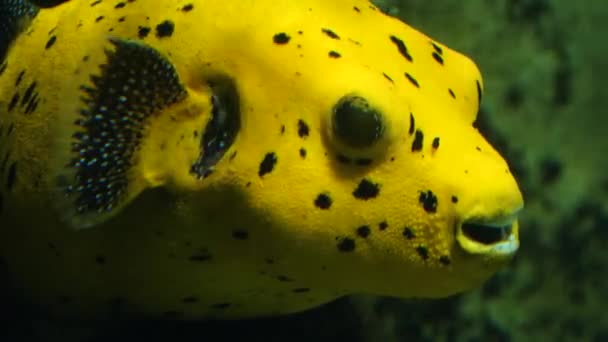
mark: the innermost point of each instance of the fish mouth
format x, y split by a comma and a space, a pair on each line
497, 237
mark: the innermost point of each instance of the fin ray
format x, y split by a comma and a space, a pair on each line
99, 173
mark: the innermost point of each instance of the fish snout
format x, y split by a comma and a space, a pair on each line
497, 238
486, 219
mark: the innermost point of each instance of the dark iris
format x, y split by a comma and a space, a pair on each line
356, 123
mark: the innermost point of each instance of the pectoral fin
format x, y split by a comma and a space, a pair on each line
99, 173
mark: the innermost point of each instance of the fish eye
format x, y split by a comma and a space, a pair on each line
356, 123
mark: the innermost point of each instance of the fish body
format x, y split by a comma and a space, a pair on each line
235, 159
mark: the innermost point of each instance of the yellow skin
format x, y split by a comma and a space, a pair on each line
237, 243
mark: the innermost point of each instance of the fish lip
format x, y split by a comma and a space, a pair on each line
497, 237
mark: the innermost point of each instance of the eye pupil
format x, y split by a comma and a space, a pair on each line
356, 123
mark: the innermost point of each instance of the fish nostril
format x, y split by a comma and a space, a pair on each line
486, 234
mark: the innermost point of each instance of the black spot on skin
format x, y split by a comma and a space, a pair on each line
346, 245
343, 159
428, 201
267, 164
366, 190
454, 199
437, 48
445, 260
402, 48
436, 143
479, 93
331, 34
282, 129
28, 94
302, 153
32, 105
408, 233
423, 252
383, 225
438, 58
50, 42
334, 54
121, 19
12, 176
233, 155
323, 201
303, 129
201, 256
418, 141
364, 231
388, 77
221, 306
187, 8
452, 93
100, 18
165, 29
143, 32
412, 124
551, 170
13, 102
120, 5
240, 234
356, 9
284, 279
412, 80
281, 38
19, 78
301, 290
95, 3
189, 299
100, 259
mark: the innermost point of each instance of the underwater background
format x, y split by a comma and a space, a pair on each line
544, 66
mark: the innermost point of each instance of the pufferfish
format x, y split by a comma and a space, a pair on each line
231, 159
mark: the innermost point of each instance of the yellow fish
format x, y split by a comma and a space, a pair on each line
169, 158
